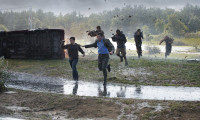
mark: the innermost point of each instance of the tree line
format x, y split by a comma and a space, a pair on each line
128, 19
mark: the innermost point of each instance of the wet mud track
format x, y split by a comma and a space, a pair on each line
26, 81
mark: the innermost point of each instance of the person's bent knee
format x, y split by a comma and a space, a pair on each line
124, 54
100, 69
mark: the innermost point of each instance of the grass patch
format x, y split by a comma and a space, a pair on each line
163, 72
171, 70
128, 101
195, 42
3, 74
148, 115
4, 111
176, 105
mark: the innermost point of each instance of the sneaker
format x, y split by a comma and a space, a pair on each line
108, 67
126, 63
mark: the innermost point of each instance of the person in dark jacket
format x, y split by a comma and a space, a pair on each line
94, 33
99, 30
168, 42
73, 49
105, 48
138, 41
121, 48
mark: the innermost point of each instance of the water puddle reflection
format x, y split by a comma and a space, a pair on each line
81, 88
131, 91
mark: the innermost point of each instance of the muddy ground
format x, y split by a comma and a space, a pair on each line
161, 72
47, 106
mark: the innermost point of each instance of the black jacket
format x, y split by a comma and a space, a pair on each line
138, 37
73, 50
120, 39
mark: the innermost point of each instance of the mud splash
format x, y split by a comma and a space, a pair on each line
132, 72
80, 88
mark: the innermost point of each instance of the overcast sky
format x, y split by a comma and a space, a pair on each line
87, 7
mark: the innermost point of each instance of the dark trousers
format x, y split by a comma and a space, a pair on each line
73, 63
103, 63
139, 48
168, 49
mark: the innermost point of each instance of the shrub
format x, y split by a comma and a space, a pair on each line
179, 43
192, 35
3, 74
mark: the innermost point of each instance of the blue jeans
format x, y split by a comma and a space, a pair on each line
73, 63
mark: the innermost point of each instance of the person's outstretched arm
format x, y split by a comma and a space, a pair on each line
64, 46
81, 50
91, 45
142, 35
162, 41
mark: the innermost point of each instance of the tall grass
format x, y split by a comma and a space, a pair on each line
3, 74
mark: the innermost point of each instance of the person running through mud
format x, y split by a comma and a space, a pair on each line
121, 48
168, 47
73, 49
138, 41
105, 48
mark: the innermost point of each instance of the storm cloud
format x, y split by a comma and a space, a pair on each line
87, 7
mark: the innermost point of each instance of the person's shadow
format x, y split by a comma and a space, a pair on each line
75, 88
103, 92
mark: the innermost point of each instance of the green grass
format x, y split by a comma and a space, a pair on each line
163, 72
188, 73
175, 105
195, 42
128, 101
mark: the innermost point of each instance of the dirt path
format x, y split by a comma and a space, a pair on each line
44, 106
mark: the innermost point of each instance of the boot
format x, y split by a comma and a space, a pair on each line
108, 67
126, 63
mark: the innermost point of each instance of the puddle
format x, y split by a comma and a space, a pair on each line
193, 60
17, 108
10, 92
64, 86
9, 118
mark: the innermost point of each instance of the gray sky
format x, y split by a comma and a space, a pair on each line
87, 7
